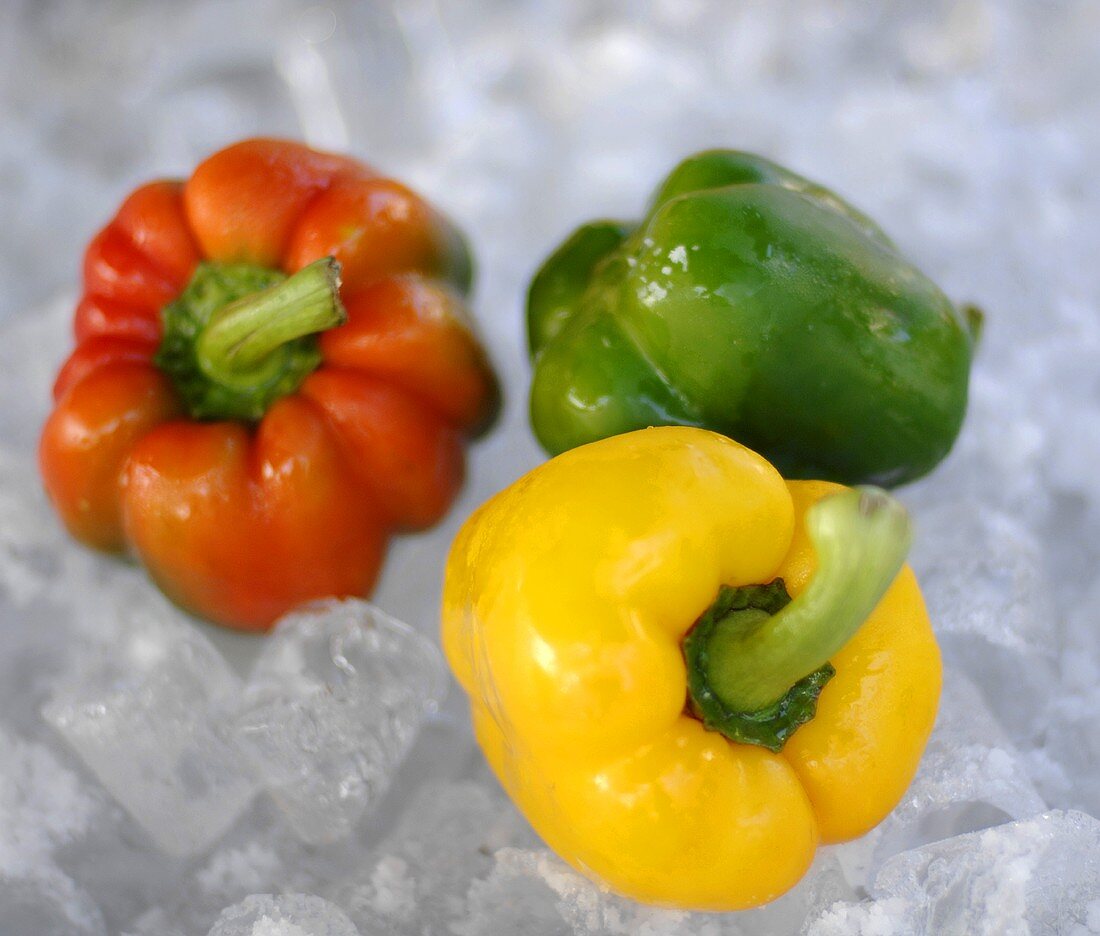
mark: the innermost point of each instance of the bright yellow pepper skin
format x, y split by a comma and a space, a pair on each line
566, 599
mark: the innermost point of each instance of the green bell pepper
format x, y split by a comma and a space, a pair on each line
755, 303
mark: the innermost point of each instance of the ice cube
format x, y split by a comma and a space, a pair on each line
333, 705
981, 573
283, 915
259, 854
1037, 875
824, 884
54, 815
45, 902
30, 539
420, 876
516, 896
533, 888
147, 713
154, 922
262, 853
891, 916
116, 862
43, 804
1067, 753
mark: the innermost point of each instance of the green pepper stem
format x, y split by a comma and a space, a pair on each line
238, 346
861, 537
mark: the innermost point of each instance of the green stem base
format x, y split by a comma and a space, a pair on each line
239, 336
738, 611
757, 661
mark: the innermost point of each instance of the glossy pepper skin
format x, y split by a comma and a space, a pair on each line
566, 604
753, 302
278, 484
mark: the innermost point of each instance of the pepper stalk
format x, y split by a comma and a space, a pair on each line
241, 336
758, 660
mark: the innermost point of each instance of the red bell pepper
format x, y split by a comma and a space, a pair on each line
249, 426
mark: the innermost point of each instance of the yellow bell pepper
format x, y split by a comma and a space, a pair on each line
644, 626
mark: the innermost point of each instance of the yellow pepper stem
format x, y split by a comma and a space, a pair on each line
757, 660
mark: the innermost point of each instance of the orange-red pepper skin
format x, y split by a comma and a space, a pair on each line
99, 317
244, 202
241, 526
414, 334
375, 227
240, 522
88, 437
403, 451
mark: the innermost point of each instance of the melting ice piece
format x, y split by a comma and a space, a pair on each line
333, 706
283, 915
146, 712
154, 923
1039, 875
519, 895
1066, 763
43, 805
30, 539
531, 890
45, 902
981, 573
421, 875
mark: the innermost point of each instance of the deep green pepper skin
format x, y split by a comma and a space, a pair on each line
755, 303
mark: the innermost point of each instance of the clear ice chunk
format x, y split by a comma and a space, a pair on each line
154, 922
515, 897
147, 714
259, 855
332, 707
532, 887
283, 915
47, 903
30, 540
43, 804
419, 879
1066, 764
1037, 875
54, 815
982, 576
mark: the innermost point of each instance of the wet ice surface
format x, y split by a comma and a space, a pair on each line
284, 915
147, 711
420, 876
968, 128
47, 903
534, 888
1039, 875
43, 805
332, 707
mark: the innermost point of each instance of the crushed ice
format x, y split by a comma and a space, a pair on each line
969, 128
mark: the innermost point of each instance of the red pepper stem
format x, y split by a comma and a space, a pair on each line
239, 344
861, 537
